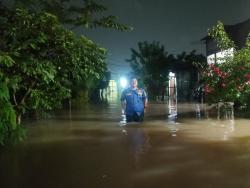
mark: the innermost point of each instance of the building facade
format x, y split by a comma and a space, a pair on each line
237, 33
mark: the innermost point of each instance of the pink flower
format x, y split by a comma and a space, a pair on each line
208, 89
242, 68
247, 76
224, 75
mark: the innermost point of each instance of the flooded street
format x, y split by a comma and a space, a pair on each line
176, 146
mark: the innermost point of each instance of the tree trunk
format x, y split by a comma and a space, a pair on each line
19, 118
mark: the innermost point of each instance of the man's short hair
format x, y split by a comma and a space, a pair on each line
132, 78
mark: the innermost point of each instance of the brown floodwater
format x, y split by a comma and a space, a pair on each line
176, 146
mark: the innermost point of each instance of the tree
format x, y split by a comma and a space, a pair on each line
40, 60
152, 64
8, 126
84, 13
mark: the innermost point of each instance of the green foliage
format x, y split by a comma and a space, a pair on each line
7, 114
9, 131
86, 13
44, 60
41, 62
149, 63
220, 36
230, 80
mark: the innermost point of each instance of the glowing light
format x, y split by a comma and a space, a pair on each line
171, 74
123, 82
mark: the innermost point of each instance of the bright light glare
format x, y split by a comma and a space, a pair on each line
171, 74
123, 82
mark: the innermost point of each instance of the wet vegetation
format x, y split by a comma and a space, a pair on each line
152, 64
228, 79
42, 63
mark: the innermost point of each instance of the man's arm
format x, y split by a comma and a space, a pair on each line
146, 103
145, 99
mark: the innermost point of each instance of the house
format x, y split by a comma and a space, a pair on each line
181, 81
237, 33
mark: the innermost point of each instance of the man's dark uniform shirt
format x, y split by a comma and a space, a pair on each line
134, 101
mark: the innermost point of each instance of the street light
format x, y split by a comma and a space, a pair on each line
123, 82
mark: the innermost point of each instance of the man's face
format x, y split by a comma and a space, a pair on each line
134, 83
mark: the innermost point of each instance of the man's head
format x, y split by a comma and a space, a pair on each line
133, 83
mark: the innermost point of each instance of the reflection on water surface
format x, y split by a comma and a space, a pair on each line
178, 145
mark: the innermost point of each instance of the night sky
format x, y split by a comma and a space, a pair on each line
177, 24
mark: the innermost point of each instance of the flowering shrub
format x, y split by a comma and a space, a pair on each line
229, 80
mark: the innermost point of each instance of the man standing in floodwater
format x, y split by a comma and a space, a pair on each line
134, 101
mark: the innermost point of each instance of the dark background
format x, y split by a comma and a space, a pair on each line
177, 24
